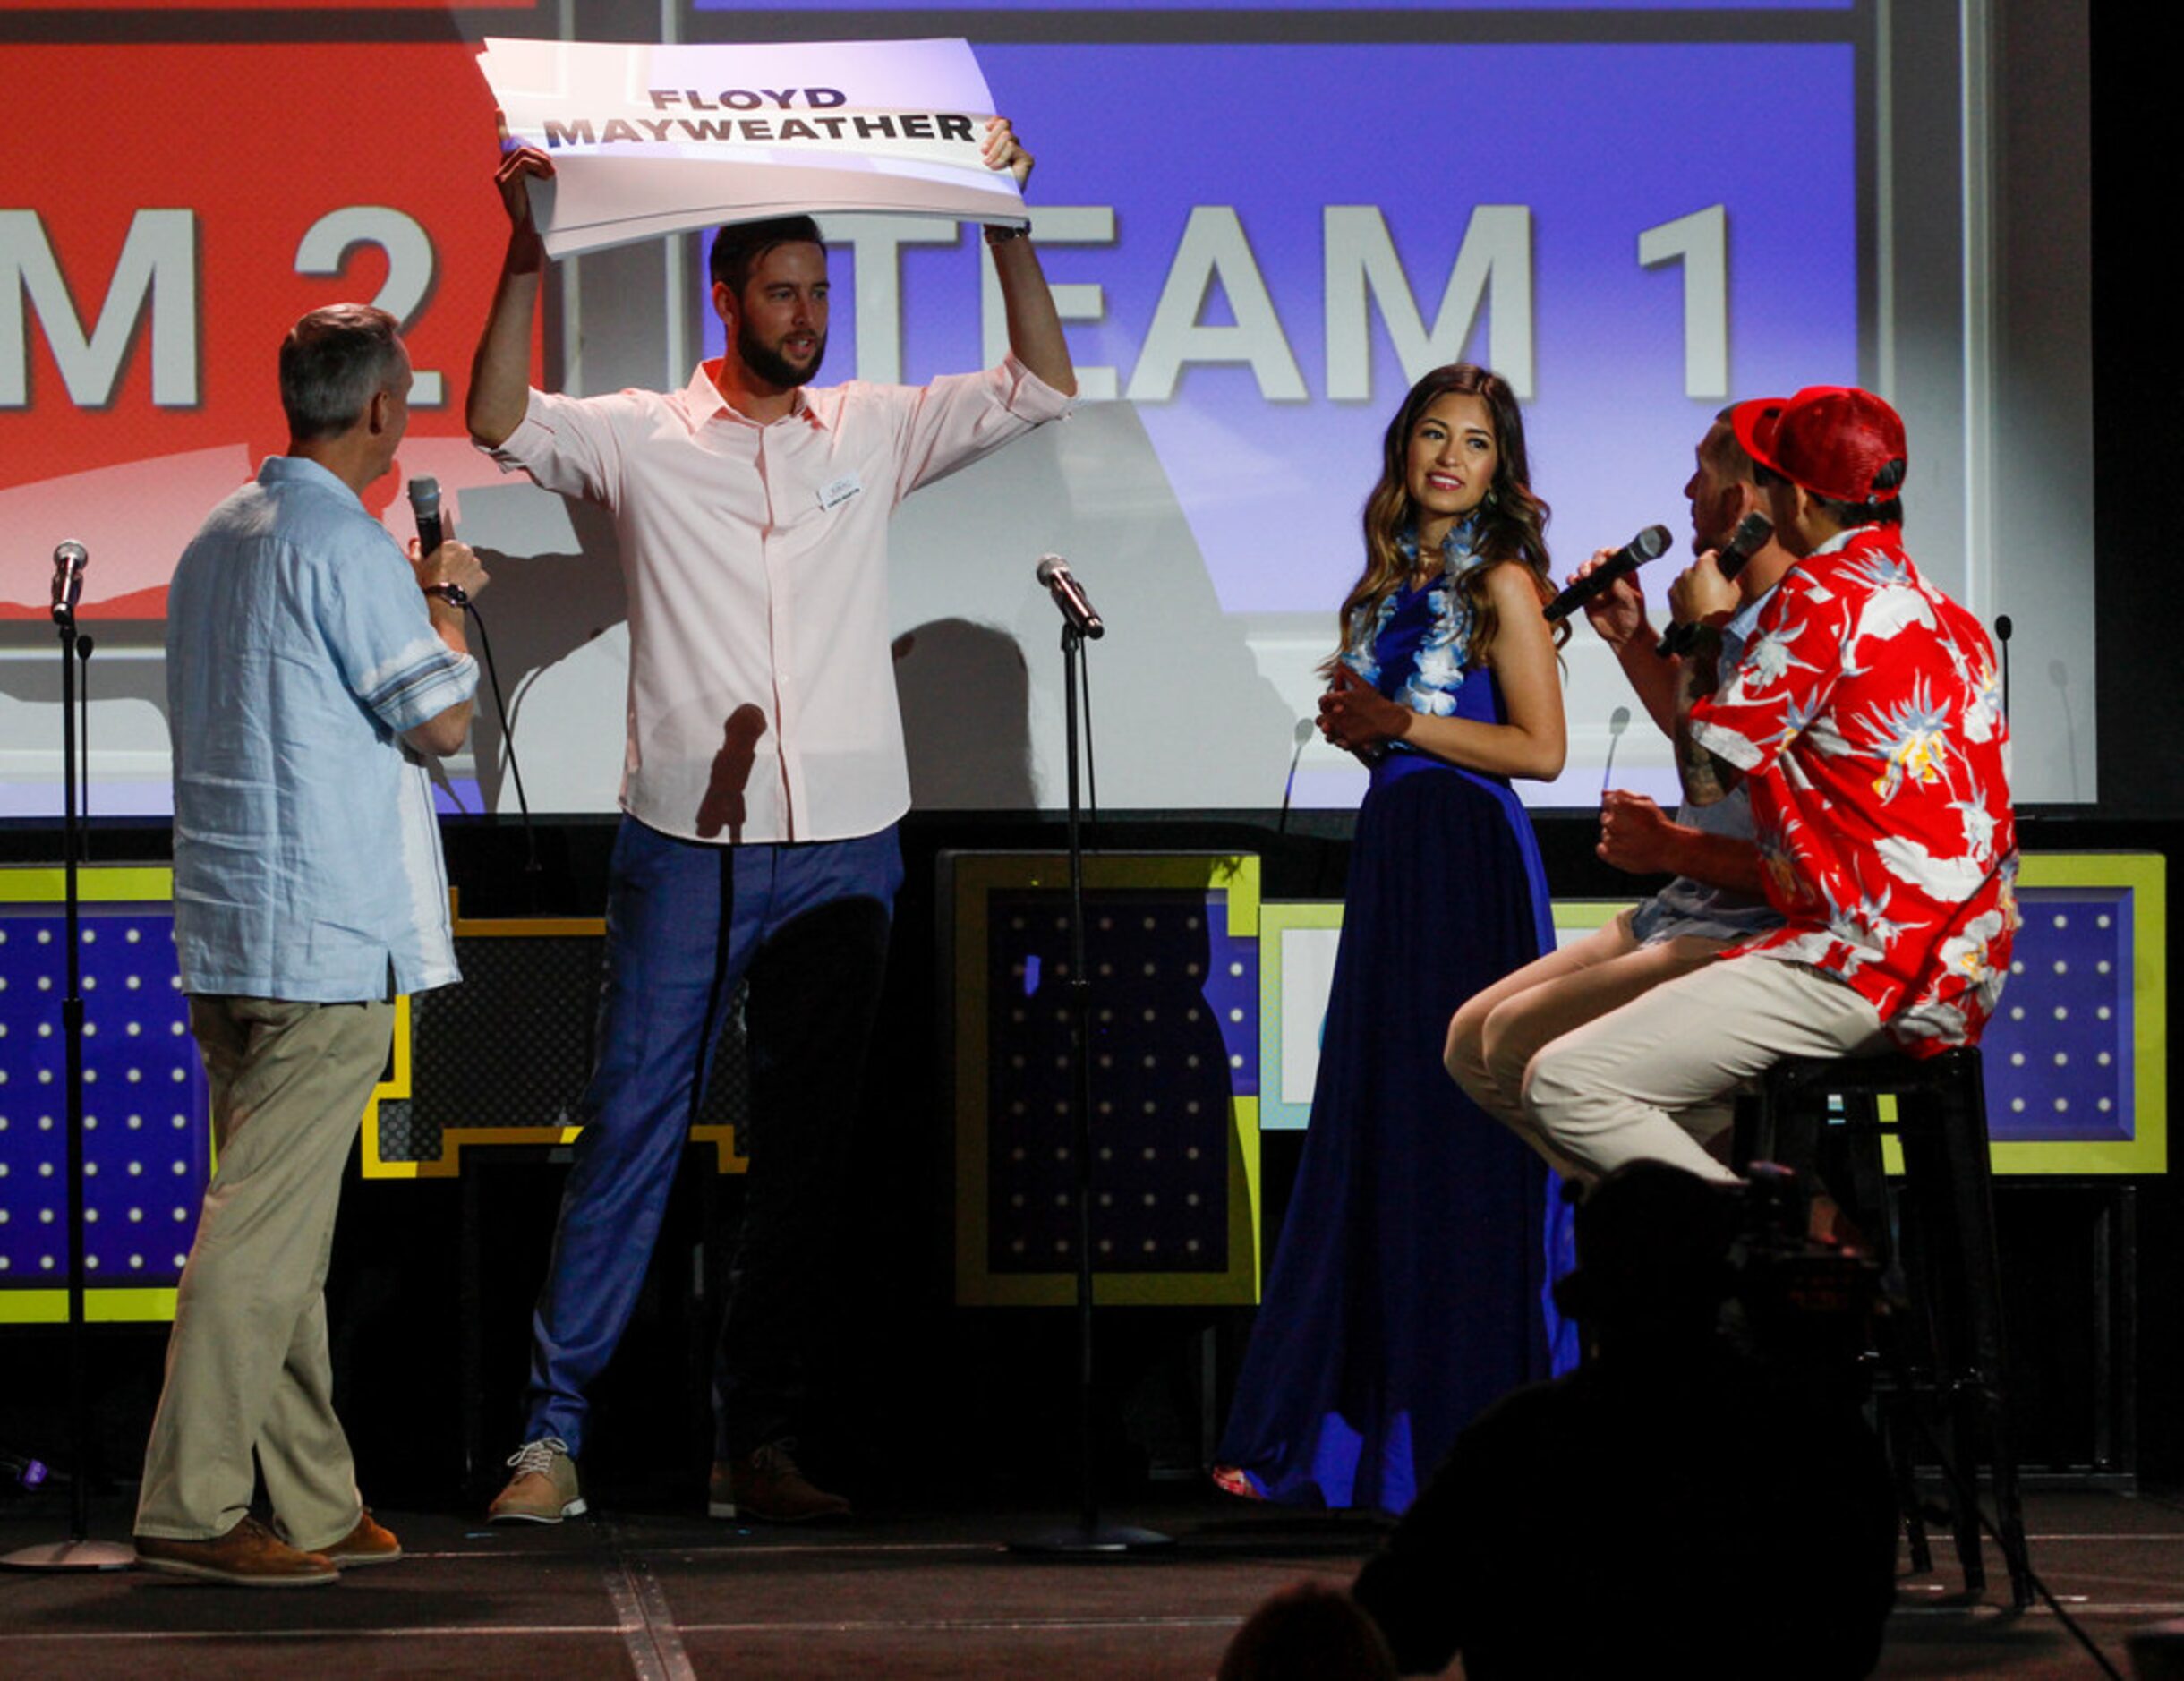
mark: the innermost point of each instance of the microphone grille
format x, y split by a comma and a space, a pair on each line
1049, 565
425, 492
1652, 543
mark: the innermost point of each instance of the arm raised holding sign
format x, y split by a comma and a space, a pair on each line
500, 371
1035, 329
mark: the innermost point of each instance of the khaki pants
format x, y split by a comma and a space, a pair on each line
1498, 1031
1625, 1088
246, 1365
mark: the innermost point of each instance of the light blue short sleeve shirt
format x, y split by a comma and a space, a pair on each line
1689, 906
307, 860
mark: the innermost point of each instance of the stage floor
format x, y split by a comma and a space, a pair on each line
908, 1594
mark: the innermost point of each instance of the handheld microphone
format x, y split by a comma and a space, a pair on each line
2002, 628
424, 503
1070, 596
432, 532
1748, 539
68, 563
1648, 544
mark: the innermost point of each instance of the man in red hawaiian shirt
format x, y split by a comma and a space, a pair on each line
1865, 717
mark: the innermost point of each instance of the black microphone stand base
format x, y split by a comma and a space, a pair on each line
70, 1555
1093, 1541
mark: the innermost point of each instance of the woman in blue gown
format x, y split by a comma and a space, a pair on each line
1405, 1293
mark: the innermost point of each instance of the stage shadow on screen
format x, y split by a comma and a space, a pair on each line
1182, 718
966, 700
124, 726
2058, 676
725, 808
31, 666
555, 615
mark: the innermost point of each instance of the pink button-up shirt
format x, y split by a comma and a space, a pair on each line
762, 696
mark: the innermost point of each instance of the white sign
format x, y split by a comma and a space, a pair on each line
1308, 977
651, 139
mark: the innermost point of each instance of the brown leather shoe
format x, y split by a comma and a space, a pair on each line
248, 1555
767, 1485
369, 1543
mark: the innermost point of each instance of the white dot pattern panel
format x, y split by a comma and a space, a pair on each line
147, 1136
1174, 1004
2059, 1055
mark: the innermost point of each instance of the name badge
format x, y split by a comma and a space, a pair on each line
840, 492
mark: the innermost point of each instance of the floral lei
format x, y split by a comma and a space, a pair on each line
1431, 687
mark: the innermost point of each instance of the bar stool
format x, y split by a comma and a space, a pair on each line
1946, 1211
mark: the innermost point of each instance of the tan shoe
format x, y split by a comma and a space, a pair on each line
369, 1543
543, 1489
767, 1485
248, 1555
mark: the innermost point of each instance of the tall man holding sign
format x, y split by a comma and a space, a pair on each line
764, 778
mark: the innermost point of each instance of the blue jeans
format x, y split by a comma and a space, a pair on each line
686, 921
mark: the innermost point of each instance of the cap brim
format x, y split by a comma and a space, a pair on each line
1756, 423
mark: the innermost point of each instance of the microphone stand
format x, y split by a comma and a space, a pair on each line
1090, 1539
85, 645
76, 1553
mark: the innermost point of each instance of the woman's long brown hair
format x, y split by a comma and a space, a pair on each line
1512, 524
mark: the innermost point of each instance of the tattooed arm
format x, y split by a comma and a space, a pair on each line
1707, 776
1701, 596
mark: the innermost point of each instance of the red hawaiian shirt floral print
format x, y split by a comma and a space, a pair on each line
1866, 713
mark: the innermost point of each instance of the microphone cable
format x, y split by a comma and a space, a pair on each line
455, 595
1084, 691
1302, 734
84, 644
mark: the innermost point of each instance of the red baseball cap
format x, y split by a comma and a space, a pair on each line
1747, 420
1834, 441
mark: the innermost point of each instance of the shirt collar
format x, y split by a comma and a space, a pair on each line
701, 400
303, 470
1841, 540
1745, 617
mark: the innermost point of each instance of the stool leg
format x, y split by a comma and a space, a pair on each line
1933, 1259
1746, 1125
1797, 1115
1970, 1182
1849, 1169
1895, 1412
1753, 1136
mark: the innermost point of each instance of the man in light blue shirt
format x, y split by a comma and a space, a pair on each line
310, 667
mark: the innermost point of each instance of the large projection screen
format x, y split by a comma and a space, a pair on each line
1261, 221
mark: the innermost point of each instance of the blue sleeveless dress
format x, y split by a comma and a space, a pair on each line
1407, 1288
